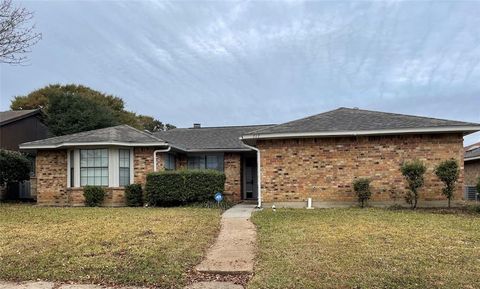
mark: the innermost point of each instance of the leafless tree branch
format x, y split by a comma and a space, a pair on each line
17, 35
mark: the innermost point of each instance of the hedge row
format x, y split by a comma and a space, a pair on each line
171, 188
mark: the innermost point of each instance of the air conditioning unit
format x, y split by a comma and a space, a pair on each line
471, 193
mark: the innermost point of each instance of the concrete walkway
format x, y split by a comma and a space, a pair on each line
234, 249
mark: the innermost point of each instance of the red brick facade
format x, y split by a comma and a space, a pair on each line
233, 175
292, 170
143, 163
52, 177
324, 168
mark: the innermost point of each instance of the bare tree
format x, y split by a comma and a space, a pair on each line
17, 34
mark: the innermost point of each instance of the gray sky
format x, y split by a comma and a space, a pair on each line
230, 63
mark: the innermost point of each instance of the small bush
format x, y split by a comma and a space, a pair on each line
14, 167
413, 173
448, 173
94, 196
172, 188
134, 195
362, 189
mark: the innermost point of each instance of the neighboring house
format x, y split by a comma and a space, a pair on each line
472, 170
316, 157
16, 127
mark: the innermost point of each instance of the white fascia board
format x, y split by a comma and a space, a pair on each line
471, 159
363, 132
82, 144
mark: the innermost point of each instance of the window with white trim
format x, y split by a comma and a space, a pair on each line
124, 167
94, 167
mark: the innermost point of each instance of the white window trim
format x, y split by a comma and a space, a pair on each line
113, 171
131, 166
69, 185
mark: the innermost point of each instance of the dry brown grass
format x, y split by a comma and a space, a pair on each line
367, 248
104, 245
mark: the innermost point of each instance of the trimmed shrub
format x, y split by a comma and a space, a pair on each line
14, 167
94, 196
134, 195
362, 189
448, 173
413, 173
172, 188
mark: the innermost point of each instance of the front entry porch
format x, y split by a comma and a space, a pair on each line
249, 177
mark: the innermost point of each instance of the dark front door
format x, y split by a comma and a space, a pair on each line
250, 178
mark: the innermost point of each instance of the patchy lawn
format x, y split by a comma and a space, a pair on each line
104, 245
369, 248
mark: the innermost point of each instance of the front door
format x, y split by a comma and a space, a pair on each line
250, 178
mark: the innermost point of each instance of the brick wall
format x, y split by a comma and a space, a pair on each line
114, 197
51, 176
472, 172
233, 175
143, 163
293, 170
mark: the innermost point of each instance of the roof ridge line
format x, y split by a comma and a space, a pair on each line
144, 133
407, 115
295, 120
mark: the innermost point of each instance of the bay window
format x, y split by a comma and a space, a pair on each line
107, 167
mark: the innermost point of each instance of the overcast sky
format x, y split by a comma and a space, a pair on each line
232, 63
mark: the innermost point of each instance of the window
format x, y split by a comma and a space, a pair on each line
212, 162
72, 169
31, 160
124, 167
169, 162
94, 167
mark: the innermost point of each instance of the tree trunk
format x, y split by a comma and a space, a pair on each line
449, 198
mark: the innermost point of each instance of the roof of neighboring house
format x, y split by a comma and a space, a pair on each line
14, 115
353, 121
208, 138
123, 135
472, 152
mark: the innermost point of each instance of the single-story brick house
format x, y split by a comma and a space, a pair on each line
316, 157
472, 170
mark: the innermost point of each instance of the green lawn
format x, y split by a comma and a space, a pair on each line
104, 245
369, 248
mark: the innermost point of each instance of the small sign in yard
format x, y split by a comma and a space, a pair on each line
218, 197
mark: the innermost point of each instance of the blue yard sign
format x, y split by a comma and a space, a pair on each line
218, 197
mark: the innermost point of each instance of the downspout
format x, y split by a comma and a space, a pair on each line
155, 156
259, 175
